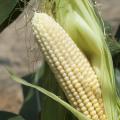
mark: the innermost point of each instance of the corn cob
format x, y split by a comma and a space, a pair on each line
70, 66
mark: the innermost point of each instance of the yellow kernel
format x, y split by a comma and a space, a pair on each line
84, 97
100, 113
95, 117
70, 86
72, 99
89, 105
70, 74
82, 93
77, 97
68, 82
77, 85
75, 93
96, 105
83, 109
75, 81
81, 104
86, 113
79, 101
91, 109
72, 78
70, 95
68, 70
80, 89
75, 103
93, 113
66, 78
73, 90
63, 84
92, 98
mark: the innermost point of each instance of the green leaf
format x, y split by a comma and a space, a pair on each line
32, 97
31, 100
10, 116
6, 7
77, 114
16, 118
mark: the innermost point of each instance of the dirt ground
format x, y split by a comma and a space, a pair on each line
14, 46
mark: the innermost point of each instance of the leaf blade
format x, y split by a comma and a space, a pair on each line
77, 114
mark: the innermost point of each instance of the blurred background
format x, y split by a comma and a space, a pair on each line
16, 52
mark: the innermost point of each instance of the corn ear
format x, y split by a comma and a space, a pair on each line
70, 66
85, 26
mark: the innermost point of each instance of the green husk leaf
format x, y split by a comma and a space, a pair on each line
77, 114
